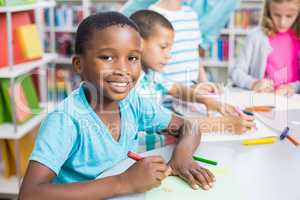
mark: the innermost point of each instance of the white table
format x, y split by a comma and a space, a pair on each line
261, 172
266, 172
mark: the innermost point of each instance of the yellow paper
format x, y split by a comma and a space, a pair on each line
175, 188
30, 41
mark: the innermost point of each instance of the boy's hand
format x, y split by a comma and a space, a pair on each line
287, 90
264, 85
192, 173
239, 125
145, 174
208, 88
222, 108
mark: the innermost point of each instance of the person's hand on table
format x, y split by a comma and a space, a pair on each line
145, 174
264, 85
239, 124
207, 88
190, 171
286, 89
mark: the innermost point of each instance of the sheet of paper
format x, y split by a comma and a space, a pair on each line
261, 132
244, 99
193, 109
175, 188
279, 120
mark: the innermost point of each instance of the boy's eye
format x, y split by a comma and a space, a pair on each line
133, 58
163, 47
106, 58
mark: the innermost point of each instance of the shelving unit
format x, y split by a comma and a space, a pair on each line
87, 9
12, 130
217, 68
19, 69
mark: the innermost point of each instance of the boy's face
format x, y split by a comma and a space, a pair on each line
284, 15
112, 61
157, 48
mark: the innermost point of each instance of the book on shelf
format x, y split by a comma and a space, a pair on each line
30, 41
66, 16
219, 50
25, 98
61, 84
16, 2
2, 110
239, 44
65, 44
18, 19
106, 6
247, 17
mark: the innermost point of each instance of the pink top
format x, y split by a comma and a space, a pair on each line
283, 62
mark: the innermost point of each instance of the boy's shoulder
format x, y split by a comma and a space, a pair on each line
73, 105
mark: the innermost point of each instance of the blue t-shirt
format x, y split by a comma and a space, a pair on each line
153, 85
75, 144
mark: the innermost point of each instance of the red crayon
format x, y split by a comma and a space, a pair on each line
134, 156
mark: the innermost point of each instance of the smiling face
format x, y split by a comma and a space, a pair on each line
284, 15
157, 47
111, 62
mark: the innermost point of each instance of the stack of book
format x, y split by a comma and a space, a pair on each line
247, 17
219, 50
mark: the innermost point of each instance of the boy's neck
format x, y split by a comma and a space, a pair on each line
170, 4
101, 103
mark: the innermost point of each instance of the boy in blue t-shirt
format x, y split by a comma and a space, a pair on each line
96, 126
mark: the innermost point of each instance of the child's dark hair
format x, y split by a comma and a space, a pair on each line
147, 21
98, 21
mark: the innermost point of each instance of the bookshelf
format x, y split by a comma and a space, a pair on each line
71, 12
19, 69
241, 21
11, 71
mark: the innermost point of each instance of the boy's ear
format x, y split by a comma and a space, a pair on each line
77, 64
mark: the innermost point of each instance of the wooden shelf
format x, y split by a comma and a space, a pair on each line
9, 186
63, 60
19, 69
235, 31
41, 4
215, 63
61, 29
7, 129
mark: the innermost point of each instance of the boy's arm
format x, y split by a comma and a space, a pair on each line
143, 175
189, 94
202, 74
37, 185
185, 93
182, 163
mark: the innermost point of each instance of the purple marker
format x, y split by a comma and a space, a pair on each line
284, 133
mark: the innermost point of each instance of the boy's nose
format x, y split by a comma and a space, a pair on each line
122, 67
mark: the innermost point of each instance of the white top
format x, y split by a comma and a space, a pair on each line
184, 64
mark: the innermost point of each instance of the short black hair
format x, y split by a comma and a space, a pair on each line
98, 21
147, 20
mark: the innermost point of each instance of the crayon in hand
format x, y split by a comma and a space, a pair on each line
134, 156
